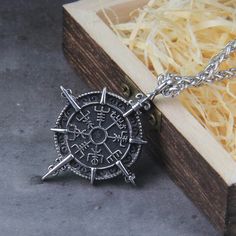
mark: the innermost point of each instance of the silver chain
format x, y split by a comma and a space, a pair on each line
170, 85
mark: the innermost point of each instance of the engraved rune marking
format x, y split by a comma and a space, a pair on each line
67, 113
101, 114
121, 138
76, 132
80, 148
85, 119
118, 120
95, 156
113, 155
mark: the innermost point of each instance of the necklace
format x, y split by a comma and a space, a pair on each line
99, 135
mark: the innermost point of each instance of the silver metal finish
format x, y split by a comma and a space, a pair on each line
103, 97
93, 174
63, 131
137, 141
94, 139
52, 170
129, 177
143, 101
71, 99
173, 84
170, 85
99, 134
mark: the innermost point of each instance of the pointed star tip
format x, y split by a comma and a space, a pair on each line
44, 177
61, 87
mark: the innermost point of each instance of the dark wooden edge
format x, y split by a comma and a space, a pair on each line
231, 212
189, 170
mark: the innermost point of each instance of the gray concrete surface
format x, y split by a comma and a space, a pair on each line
32, 67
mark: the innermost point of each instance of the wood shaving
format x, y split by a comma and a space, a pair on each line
181, 36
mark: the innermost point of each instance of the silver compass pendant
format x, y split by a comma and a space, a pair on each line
98, 136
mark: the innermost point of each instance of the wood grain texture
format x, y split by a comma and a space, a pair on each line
191, 172
185, 165
231, 212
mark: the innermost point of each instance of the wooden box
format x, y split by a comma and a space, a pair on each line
193, 158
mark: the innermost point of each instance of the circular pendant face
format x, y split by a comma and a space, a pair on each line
100, 141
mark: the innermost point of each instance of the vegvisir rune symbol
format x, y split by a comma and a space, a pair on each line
98, 136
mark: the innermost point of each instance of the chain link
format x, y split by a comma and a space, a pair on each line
171, 84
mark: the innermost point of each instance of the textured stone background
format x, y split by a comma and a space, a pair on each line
32, 67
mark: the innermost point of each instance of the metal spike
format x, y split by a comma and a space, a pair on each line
129, 176
131, 110
143, 101
63, 131
137, 141
93, 174
58, 166
71, 99
103, 97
